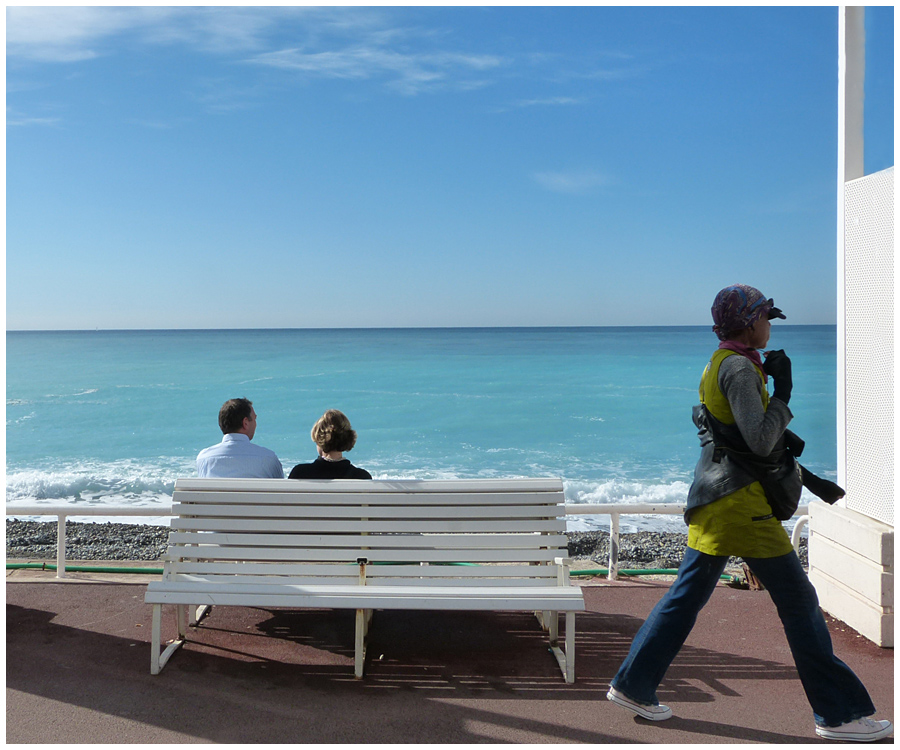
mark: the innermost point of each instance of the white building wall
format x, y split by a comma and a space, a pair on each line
868, 366
851, 545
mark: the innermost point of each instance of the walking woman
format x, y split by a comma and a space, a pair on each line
729, 513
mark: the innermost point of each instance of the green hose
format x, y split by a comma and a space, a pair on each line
84, 568
641, 572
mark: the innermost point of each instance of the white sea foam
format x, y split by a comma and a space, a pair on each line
123, 482
632, 493
617, 491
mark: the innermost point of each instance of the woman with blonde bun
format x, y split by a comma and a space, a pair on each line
333, 436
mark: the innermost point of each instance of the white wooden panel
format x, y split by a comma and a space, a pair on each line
373, 572
510, 601
381, 541
424, 585
311, 580
269, 568
410, 513
380, 597
373, 555
417, 486
358, 525
869, 580
380, 572
363, 499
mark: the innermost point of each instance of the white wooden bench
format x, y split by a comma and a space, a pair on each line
487, 544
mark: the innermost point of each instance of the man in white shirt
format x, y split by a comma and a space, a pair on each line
236, 456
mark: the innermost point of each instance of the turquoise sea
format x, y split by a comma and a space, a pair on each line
114, 417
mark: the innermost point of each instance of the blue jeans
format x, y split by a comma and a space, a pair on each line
833, 690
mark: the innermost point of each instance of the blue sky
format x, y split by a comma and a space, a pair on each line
313, 167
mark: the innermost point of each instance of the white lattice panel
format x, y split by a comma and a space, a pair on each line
869, 344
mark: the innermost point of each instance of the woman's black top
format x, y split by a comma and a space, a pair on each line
322, 469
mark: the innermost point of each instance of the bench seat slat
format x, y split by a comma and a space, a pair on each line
381, 541
351, 555
409, 513
558, 598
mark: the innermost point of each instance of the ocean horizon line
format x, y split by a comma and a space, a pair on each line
398, 328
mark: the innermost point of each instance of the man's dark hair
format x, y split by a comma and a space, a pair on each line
233, 413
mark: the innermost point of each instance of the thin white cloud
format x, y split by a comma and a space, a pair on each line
355, 43
341, 43
72, 34
68, 34
409, 72
616, 74
18, 120
576, 182
553, 101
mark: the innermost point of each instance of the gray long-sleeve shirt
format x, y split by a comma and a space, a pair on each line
739, 381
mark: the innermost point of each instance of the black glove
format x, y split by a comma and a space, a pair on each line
778, 366
821, 488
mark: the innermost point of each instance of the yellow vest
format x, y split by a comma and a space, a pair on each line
711, 395
727, 527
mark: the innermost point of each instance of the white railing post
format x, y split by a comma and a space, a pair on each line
613, 547
798, 532
61, 546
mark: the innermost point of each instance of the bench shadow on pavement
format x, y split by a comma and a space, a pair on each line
244, 666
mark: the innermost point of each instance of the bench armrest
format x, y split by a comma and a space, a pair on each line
562, 572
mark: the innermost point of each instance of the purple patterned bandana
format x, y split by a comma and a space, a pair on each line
738, 307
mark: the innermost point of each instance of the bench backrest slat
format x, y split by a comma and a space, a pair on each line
381, 541
334, 499
372, 555
403, 486
373, 572
350, 525
324, 511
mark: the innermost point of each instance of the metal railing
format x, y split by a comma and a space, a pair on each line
615, 512
64, 511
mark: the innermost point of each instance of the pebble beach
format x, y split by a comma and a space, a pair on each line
35, 540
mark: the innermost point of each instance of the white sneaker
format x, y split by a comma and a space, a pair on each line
644, 710
861, 730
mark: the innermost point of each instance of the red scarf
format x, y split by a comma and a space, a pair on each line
747, 351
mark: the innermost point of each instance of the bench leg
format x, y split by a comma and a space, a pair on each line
565, 659
181, 618
363, 618
549, 621
201, 612
157, 660
155, 636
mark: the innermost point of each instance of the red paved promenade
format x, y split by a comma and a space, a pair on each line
78, 659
